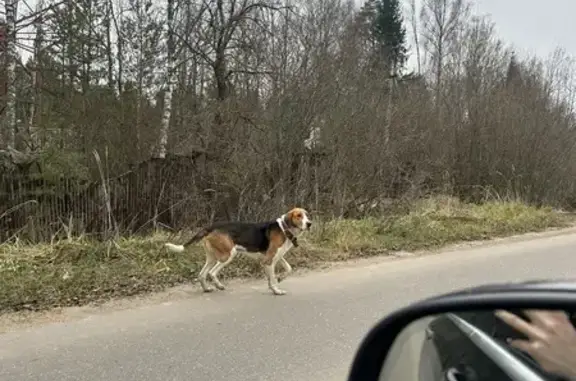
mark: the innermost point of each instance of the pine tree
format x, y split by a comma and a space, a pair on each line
389, 31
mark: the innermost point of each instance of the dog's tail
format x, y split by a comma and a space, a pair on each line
180, 248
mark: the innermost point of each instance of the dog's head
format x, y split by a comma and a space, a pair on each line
298, 218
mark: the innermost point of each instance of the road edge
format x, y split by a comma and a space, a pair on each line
25, 319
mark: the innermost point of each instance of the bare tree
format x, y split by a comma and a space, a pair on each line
170, 76
36, 72
10, 56
413, 12
217, 33
440, 22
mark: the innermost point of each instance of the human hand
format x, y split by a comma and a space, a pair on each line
551, 339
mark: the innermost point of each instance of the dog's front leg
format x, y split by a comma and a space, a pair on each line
287, 269
272, 281
269, 263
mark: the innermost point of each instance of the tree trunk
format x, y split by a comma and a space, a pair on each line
10, 57
167, 112
110, 58
220, 75
36, 70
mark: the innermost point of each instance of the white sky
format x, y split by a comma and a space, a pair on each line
534, 27
530, 26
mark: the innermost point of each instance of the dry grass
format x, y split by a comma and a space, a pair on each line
79, 271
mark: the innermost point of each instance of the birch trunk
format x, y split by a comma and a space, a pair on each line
11, 7
167, 112
35, 104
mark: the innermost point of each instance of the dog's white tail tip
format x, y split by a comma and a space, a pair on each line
174, 248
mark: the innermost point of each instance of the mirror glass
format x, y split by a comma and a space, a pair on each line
527, 345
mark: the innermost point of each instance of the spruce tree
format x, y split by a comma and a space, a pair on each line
389, 31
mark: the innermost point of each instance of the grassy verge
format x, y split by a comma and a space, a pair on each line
79, 271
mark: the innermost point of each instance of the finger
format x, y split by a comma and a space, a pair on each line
521, 325
530, 347
549, 320
543, 315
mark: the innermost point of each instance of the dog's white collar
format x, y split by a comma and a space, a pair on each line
287, 232
284, 226
280, 221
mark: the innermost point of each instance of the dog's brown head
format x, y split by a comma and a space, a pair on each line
298, 218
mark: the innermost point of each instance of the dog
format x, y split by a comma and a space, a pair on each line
273, 239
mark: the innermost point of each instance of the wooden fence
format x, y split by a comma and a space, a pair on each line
156, 192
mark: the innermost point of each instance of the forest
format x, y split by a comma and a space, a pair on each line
122, 116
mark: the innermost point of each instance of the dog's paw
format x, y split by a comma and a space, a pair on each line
278, 291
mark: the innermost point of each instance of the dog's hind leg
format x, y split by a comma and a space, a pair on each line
208, 265
223, 250
219, 266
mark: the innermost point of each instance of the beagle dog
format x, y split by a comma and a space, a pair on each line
273, 239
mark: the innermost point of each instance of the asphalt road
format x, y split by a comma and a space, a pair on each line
245, 333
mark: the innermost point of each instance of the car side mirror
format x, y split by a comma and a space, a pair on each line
522, 331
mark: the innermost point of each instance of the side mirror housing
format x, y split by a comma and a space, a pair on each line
458, 336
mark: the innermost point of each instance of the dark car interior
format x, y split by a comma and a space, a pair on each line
457, 351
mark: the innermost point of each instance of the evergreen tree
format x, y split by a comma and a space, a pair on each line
389, 32
513, 74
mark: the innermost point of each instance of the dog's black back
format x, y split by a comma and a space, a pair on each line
253, 236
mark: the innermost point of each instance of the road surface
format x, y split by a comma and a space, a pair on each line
245, 333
